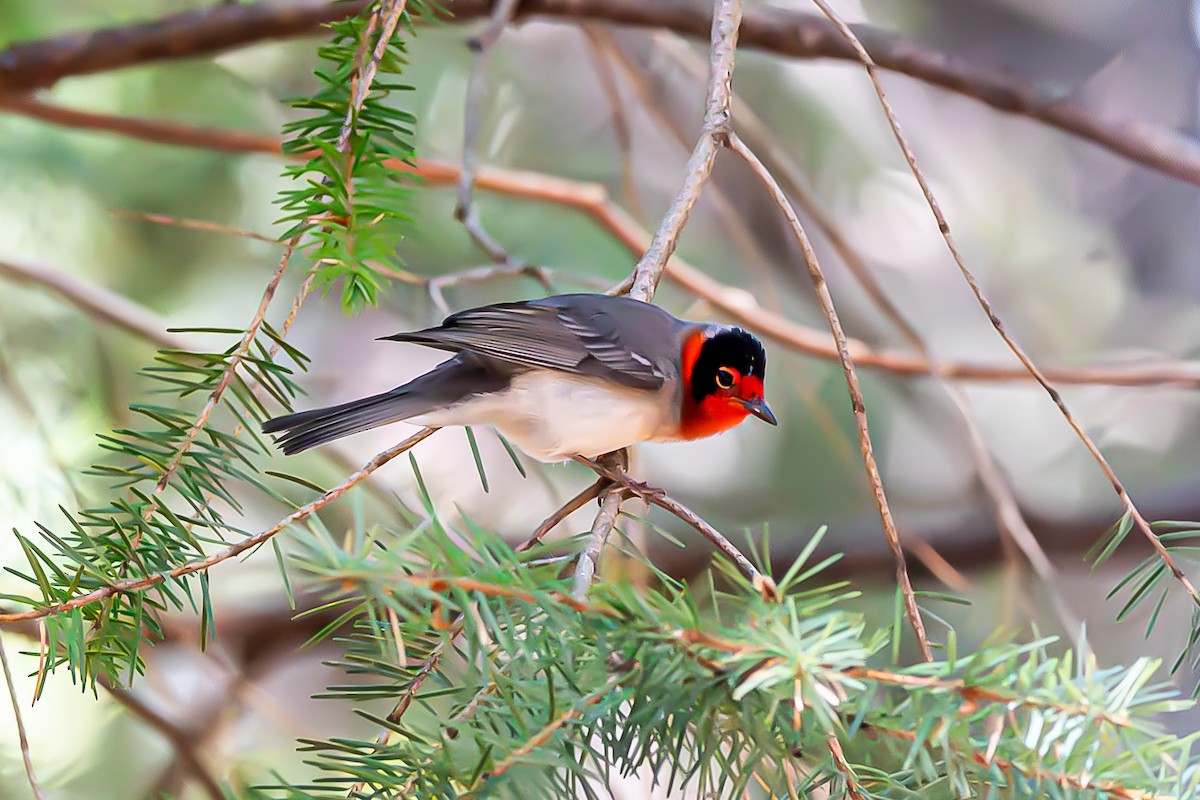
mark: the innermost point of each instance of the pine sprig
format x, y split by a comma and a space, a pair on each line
352, 206
543, 693
175, 475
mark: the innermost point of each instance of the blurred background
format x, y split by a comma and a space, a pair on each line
1089, 259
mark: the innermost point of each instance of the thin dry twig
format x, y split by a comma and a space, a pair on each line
188, 223
725, 210
183, 744
857, 402
726, 19
26, 66
249, 543
600, 47
1010, 522
567, 509
660, 499
231, 365
26, 759
588, 564
97, 302
839, 763
464, 209
437, 285
1140, 521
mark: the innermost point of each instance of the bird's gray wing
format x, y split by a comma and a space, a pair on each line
629, 342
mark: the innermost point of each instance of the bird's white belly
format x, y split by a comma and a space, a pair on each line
552, 416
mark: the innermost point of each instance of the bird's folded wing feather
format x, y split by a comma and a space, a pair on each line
581, 341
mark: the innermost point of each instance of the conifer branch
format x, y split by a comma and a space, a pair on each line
133, 585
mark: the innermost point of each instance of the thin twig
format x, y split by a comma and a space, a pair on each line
437, 285
656, 496
857, 402
183, 744
187, 223
839, 763
464, 209
249, 543
97, 302
26, 759
231, 365
567, 509
601, 48
943, 226
726, 19
731, 217
588, 564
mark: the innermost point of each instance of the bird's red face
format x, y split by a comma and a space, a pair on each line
723, 376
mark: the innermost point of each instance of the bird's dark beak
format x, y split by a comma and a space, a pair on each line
760, 409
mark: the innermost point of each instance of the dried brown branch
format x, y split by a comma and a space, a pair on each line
726, 211
785, 32
19, 718
592, 199
97, 302
943, 226
726, 19
839, 763
188, 223
183, 744
249, 543
857, 403
588, 564
567, 509
464, 209
602, 51
660, 499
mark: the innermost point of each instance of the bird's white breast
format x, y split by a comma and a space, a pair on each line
552, 416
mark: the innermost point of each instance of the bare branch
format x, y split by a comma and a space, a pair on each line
943, 226
784, 32
183, 744
588, 565
30, 775
659, 498
858, 404
97, 302
464, 209
570, 507
726, 19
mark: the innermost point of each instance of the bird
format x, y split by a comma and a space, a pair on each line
563, 376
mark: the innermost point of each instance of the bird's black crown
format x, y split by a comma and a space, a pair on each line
732, 348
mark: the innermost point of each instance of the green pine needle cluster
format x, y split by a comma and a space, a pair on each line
491, 681
175, 480
351, 205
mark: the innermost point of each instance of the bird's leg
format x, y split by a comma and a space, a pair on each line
618, 461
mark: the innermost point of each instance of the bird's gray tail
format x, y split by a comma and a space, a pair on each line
311, 428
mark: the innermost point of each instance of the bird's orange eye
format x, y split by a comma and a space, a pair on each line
726, 378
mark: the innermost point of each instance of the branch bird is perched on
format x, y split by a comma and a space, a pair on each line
573, 374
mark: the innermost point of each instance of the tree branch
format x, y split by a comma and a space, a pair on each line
593, 200
785, 32
726, 19
97, 302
